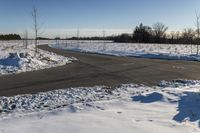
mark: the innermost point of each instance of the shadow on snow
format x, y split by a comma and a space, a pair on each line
188, 107
10, 62
153, 97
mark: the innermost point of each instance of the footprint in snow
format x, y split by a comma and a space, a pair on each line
119, 112
135, 120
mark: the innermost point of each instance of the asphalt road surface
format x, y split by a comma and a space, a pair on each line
92, 69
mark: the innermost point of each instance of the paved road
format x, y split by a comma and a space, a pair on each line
92, 69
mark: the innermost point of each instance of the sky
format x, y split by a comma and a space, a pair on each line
63, 18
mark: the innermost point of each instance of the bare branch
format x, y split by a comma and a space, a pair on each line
197, 25
159, 30
36, 26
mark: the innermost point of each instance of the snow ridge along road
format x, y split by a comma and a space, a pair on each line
171, 107
92, 69
16, 58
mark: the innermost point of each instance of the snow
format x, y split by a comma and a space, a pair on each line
169, 107
15, 58
155, 51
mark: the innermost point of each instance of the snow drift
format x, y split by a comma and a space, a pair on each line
170, 107
15, 58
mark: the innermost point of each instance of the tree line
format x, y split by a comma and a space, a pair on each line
10, 37
158, 34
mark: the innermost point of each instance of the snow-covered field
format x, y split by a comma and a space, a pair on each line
158, 51
15, 57
170, 107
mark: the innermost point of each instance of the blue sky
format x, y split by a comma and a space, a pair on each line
63, 17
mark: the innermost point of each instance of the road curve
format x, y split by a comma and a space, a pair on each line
92, 69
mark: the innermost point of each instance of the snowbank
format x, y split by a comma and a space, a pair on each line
170, 107
154, 51
15, 58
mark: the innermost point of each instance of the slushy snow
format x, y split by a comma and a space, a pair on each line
170, 107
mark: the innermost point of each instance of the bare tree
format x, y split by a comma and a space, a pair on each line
177, 35
159, 30
26, 38
188, 36
172, 35
197, 24
66, 38
78, 35
36, 27
103, 35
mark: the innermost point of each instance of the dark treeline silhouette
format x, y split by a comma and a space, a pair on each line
43, 38
92, 38
146, 34
10, 37
157, 34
